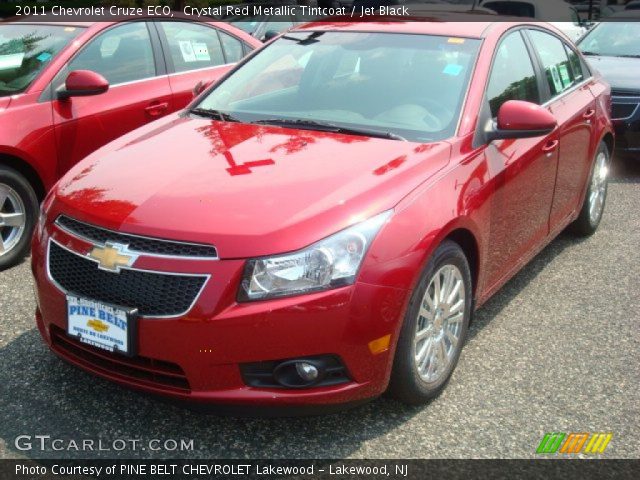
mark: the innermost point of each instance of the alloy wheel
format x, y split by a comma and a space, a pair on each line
597, 192
440, 324
12, 219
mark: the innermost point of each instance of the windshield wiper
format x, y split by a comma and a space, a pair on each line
331, 127
628, 56
586, 54
215, 114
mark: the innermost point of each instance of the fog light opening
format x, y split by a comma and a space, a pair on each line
307, 371
300, 373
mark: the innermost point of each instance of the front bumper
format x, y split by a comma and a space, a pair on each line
197, 356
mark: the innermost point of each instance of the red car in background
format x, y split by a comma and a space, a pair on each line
134, 72
327, 237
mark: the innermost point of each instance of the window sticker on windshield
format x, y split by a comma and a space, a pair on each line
555, 76
452, 69
44, 57
201, 51
455, 40
564, 76
188, 55
13, 60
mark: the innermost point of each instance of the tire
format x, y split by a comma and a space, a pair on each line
410, 380
588, 220
18, 215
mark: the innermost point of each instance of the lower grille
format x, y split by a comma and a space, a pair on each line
140, 370
154, 294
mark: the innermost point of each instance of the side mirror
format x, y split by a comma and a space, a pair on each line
200, 87
83, 83
269, 35
519, 119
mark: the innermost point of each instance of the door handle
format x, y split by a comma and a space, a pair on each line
589, 113
156, 109
550, 147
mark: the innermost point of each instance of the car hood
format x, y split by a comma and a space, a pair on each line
249, 190
620, 72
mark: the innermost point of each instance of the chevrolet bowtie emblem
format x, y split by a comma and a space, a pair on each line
113, 257
98, 325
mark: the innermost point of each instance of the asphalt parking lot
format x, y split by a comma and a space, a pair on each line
556, 350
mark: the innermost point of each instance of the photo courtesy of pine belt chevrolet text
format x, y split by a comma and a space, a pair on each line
318, 226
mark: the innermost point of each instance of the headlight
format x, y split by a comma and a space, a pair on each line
329, 263
44, 211
42, 221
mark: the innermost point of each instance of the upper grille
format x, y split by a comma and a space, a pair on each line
154, 294
151, 246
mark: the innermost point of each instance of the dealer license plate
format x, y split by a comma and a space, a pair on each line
102, 326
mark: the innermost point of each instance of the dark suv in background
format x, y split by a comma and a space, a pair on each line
613, 48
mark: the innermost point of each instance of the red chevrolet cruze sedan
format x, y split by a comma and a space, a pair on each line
318, 227
68, 89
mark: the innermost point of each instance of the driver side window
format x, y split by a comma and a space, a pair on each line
121, 54
512, 75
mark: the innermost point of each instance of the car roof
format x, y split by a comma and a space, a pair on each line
37, 20
178, 17
475, 26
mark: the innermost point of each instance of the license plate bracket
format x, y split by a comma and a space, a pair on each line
102, 325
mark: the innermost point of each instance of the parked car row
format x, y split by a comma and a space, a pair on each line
318, 226
68, 89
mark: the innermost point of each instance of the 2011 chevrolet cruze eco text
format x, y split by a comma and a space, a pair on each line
317, 227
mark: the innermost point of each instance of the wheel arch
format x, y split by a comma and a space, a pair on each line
464, 232
469, 245
27, 171
609, 141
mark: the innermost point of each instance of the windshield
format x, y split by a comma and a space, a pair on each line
26, 49
410, 86
613, 39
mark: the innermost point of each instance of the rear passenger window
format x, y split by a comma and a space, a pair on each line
512, 76
121, 54
232, 48
576, 65
554, 61
192, 46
